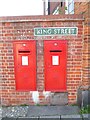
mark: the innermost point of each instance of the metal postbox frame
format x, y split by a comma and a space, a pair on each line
27, 53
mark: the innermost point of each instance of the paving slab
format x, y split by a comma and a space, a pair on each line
28, 118
14, 111
71, 117
86, 116
6, 118
52, 110
49, 117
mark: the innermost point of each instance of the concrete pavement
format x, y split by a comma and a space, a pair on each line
50, 113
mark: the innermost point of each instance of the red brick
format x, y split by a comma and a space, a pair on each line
74, 61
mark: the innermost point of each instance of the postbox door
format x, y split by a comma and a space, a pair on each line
55, 65
25, 65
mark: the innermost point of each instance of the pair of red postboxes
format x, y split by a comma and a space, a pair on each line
25, 64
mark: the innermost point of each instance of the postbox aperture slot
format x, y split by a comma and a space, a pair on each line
24, 51
55, 50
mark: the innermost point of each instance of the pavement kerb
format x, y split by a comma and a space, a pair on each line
61, 117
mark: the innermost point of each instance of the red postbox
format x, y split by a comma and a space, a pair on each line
55, 65
25, 65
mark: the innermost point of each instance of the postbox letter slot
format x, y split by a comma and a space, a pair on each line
21, 51
55, 50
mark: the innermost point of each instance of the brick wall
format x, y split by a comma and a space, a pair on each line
22, 28
84, 9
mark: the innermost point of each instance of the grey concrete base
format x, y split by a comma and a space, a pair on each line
59, 99
83, 97
52, 110
86, 98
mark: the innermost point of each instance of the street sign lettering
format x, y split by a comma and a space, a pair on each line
55, 31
